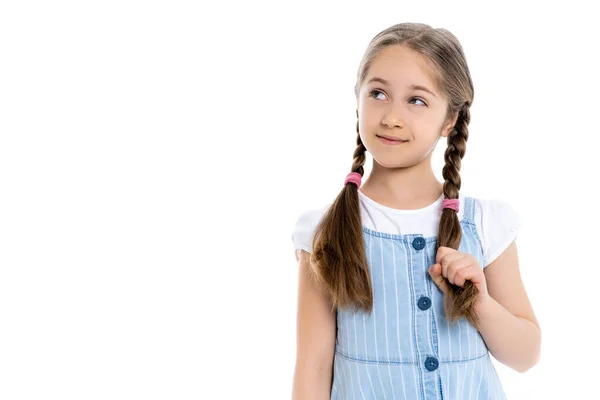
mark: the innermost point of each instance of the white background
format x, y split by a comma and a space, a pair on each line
154, 157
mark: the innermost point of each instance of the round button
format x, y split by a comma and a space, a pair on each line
431, 363
418, 243
424, 303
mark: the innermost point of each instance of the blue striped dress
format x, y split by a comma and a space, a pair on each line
406, 349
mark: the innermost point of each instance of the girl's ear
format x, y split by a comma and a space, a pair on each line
450, 125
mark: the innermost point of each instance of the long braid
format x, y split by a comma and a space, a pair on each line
359, 154
338, 259
461, 300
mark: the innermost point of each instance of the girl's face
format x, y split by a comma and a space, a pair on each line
399, 99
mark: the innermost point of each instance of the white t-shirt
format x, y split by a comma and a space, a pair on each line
496, 221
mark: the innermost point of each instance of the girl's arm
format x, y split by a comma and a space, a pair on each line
507, 321
315, 344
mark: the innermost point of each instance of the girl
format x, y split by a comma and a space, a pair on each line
405, 285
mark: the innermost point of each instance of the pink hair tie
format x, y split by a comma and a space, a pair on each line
450, 203
353, 177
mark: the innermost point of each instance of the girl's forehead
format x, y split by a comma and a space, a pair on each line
399, 71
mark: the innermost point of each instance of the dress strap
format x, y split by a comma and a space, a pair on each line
469, 213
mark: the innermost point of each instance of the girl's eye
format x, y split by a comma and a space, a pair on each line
416, 98
374, 93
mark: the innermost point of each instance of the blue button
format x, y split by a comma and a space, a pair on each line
418, 243
424, 303
431, 363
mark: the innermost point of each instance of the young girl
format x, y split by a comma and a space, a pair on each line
406, 286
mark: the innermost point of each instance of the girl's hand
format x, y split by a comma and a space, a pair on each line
457, 268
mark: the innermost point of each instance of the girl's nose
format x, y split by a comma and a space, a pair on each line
393, 118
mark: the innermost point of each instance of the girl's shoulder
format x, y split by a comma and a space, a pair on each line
304, 227
498, 222
496, 210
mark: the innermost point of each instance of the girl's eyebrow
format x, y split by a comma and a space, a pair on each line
413, 87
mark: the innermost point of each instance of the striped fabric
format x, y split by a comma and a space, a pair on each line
406, 349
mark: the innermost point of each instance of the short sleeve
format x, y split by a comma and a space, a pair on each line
499, 224
303, 231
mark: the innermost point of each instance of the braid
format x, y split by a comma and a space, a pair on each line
461, 300
338, 260
359, 154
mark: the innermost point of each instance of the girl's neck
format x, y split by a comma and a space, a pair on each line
402, 188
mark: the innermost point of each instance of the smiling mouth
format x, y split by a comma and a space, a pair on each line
388, 140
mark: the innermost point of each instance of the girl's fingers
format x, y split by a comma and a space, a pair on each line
435, 271
451, 265
471, 273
